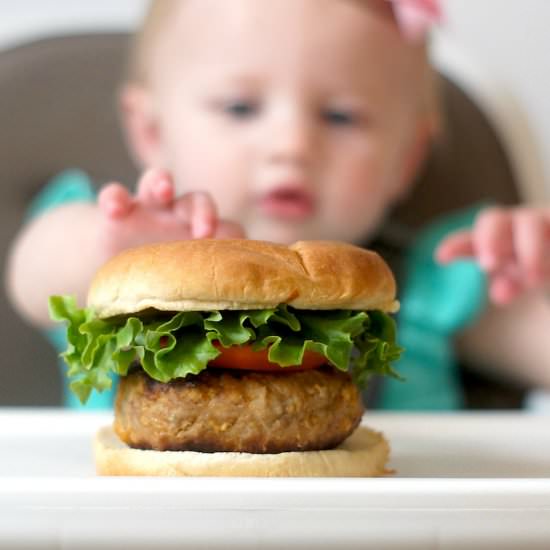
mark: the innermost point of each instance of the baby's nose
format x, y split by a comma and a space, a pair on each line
291, 140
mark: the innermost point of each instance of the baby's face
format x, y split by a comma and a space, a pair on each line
293, 114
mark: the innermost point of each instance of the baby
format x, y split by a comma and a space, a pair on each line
286, 120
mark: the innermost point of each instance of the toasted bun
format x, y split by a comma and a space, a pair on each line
363, 454
208, 274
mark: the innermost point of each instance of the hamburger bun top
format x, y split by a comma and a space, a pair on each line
212, 274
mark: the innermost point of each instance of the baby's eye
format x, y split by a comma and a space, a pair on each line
241, 109
340, 117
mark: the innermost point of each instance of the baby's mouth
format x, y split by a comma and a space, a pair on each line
288, 203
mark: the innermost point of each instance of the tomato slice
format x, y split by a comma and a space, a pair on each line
244, 358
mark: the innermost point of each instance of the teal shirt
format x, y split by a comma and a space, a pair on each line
69, 186
436, 302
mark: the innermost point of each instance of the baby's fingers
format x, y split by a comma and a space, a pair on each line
155, 188
503, 288
457, 245
531, 242
199, 211
115, 201
493, 238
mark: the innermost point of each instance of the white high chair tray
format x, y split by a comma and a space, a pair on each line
476, 480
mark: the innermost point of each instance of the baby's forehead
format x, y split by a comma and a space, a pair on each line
204, 17
235, 25
356, 37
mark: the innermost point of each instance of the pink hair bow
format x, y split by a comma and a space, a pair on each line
416, 17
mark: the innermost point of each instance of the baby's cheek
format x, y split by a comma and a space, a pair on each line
351, 191
197, 169
356, 209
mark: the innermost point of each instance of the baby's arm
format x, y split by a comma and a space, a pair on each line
512, 245
59, 252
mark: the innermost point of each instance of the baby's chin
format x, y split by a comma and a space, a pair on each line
277, 231
283, 237
288, 233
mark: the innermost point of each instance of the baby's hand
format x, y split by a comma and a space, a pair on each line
511, 244
154, 214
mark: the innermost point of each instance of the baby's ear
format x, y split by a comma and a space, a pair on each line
140, 124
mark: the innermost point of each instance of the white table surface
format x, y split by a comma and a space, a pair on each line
475, 480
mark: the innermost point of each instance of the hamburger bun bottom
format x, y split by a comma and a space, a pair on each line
364, 454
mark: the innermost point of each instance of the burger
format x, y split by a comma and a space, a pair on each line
235, 357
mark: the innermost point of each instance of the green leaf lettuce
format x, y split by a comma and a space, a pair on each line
173, 345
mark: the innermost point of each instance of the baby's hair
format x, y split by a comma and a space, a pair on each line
156, 16
159, 13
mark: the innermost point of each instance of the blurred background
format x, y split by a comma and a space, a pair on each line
59, 65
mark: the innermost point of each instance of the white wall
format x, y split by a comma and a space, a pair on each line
503, 47
499, 48
26, 19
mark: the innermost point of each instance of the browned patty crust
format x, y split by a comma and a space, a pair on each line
230, 410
